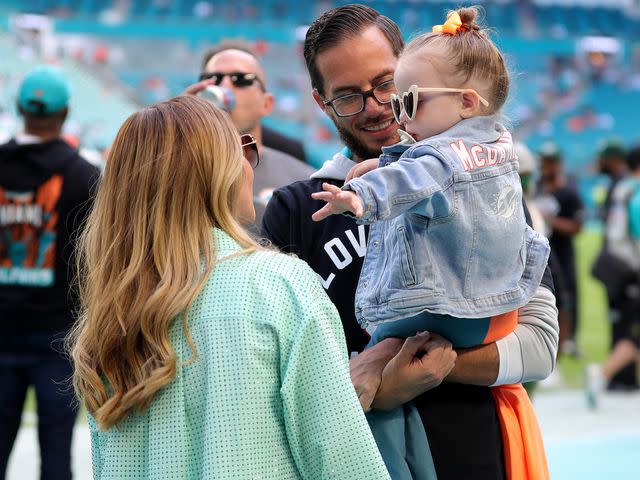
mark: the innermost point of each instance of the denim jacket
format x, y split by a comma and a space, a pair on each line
448, 233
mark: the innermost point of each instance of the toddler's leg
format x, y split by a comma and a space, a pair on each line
388, 428
418, 454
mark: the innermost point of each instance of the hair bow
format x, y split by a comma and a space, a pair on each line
451, 26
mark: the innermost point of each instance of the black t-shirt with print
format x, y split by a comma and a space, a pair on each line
460, 420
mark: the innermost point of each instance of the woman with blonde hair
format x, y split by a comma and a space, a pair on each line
199, 354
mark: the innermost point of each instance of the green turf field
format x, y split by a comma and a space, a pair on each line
594, 327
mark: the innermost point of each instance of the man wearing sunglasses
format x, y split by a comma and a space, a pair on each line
270, 137
351, 54
240, 71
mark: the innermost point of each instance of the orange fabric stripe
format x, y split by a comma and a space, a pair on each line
500, 326
524, 454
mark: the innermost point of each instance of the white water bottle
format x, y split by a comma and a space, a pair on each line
221, 97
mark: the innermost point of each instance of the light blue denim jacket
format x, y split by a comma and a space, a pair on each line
448, 232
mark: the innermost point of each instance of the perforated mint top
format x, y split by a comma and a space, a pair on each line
269, 396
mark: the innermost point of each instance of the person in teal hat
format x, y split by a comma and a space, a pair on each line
44, 92
45, 192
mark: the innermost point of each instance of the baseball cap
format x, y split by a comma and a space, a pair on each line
44, 90
612, 149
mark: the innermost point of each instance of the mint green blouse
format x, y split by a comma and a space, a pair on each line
269, 396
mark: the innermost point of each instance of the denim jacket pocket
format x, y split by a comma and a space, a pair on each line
408, 269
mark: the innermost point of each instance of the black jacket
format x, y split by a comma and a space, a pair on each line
45, 195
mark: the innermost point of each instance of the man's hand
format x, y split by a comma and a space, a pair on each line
421, 364
366, 369
338, 201
362, 168
198, 87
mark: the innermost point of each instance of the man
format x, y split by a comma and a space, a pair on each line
45, 193
611, 162
351, 54
622, 236
240, 71
565, 221
270, 137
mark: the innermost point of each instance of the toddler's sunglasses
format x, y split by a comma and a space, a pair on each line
409, 100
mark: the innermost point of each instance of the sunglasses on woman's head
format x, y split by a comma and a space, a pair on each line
250, 150
409, 99
238, 79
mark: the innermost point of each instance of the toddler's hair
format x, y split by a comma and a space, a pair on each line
471, 53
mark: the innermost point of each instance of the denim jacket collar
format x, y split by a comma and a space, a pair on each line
483, 129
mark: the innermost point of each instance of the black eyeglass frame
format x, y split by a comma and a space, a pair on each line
238, 79
250, 150
363, 95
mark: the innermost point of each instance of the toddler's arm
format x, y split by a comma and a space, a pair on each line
338, 201
422, 185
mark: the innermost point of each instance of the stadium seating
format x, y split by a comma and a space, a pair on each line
162, 42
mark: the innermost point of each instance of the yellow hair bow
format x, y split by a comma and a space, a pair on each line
451, 26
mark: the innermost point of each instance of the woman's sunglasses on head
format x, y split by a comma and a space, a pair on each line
238, 79
250, 150
408, 101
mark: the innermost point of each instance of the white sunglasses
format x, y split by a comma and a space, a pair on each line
409, 100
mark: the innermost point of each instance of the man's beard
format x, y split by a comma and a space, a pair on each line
358, 148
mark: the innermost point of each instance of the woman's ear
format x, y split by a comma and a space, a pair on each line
471, 105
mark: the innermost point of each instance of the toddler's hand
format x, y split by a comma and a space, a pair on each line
338, 201
362, 168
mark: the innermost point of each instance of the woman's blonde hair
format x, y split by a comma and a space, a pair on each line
471, 53
173, 173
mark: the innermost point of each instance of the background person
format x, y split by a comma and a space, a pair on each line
623, 243
565, 214
270, 137
612, 162
45, 192
240, 71
197, 352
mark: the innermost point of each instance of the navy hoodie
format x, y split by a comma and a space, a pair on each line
45, 195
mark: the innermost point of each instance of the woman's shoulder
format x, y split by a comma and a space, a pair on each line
263, 282
274, 264
265, 263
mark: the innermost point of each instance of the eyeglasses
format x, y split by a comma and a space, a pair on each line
238, 79
409, 100
250, 150
353, 103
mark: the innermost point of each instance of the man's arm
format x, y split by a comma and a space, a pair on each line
526, 354
566, 226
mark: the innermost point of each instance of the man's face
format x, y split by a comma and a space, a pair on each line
611, 166
252, 103
352, 66
550, 175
